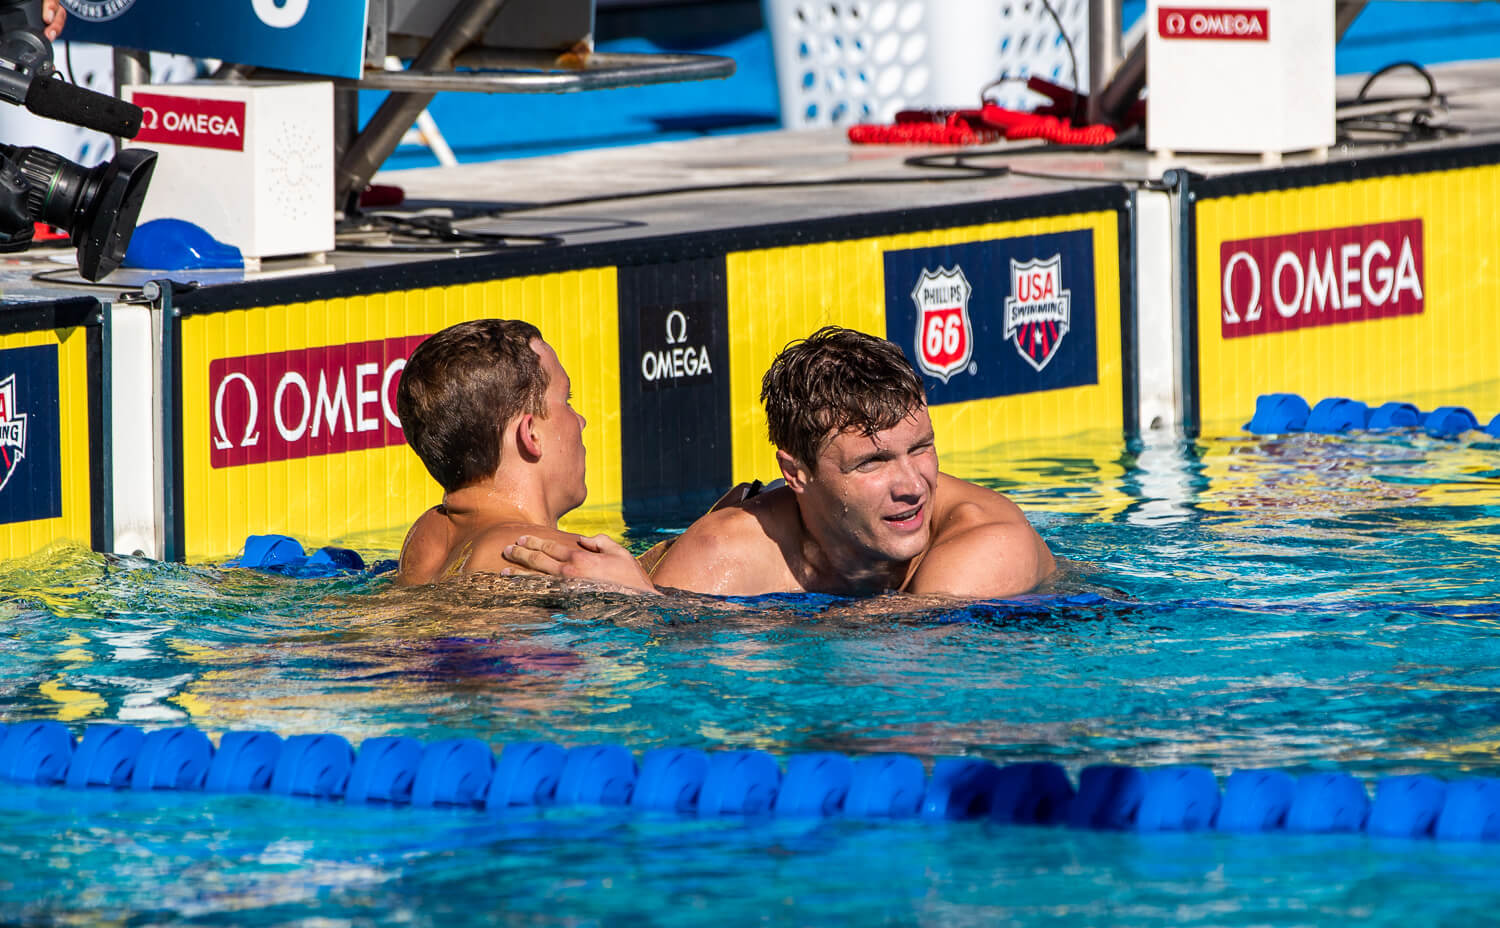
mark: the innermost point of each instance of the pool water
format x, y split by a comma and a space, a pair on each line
1307, 603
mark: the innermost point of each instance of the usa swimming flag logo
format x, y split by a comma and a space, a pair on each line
1038, 312
12, 430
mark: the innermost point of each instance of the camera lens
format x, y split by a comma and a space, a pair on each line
96, 206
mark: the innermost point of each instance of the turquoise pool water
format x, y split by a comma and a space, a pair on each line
1307, 603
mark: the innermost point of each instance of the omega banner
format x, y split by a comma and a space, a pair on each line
1374, 288
288, 412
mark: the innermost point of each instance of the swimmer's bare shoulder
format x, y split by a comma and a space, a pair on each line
982, 545
486, 551
739, 550
425, 551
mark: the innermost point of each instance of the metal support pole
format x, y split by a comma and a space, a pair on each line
383, 133
1104, 52
1345, 12
1124, 88
132, 66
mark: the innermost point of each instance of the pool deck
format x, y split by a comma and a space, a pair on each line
767, 178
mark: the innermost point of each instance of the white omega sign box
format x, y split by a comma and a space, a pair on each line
1240, 77
252, 164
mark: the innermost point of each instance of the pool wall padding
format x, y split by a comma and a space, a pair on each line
271, 406
465, 773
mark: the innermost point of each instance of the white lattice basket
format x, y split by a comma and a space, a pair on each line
840, 62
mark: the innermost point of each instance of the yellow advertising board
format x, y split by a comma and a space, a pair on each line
288, 420
1015, 326
1376, 282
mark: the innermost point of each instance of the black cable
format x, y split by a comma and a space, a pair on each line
438, 234
1072, 57
1432, 91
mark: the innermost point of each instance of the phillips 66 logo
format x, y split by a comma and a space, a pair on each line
945, 335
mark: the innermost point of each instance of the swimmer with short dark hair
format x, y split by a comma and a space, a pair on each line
486, 406
865, 509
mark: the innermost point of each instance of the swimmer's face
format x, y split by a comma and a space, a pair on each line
561, 433
876, 490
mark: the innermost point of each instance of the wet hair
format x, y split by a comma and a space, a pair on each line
459, 389
834, 380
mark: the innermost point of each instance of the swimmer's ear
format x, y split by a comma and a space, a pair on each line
526, 437
792, 471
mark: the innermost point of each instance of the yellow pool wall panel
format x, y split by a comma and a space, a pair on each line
322, 498
1449, 352
780, 294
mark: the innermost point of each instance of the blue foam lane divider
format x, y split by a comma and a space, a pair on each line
1178, 799
1278, 413
1109, 797
36, 752
739, 783
1449, 422
464, 772
1031, 794
244, 762
1256, 800
1336, 414
960, 788
815, 785
313, 765
384, 770
454, 773
597, 775
526, 775
1328, 802
670, 780
105, 757
1406, 807
886, 786
1471, 811
1394, 416
172, 758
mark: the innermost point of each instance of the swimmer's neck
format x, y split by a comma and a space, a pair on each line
832, 564
489, 503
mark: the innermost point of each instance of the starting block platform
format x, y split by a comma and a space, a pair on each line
1042, 293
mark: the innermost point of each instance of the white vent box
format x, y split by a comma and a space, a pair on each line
251, 164
1240, 76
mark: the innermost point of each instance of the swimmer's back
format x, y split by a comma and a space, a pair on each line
437, 547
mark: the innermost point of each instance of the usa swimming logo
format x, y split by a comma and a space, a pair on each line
12, 430
1038, 312
945, 333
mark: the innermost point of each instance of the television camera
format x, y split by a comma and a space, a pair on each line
97, 207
